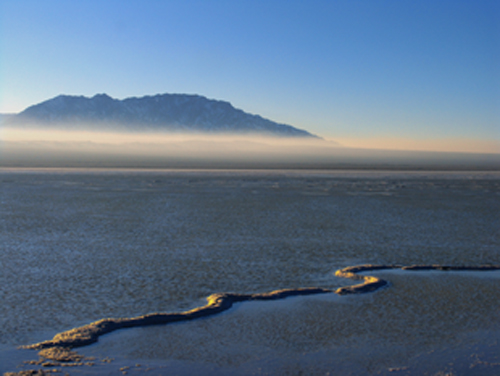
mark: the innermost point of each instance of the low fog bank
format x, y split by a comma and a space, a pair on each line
42, 148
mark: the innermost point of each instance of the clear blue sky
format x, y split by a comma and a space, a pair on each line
352, 68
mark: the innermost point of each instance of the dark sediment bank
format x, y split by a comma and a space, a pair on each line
220, 302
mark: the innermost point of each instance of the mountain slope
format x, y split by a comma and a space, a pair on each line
166, 112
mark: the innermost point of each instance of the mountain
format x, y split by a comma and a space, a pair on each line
6, 117
162, 112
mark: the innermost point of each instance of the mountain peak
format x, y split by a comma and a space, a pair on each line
161, 112
102, 96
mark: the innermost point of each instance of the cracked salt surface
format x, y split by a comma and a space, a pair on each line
78, 246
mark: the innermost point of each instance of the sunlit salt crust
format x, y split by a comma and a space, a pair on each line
220, 302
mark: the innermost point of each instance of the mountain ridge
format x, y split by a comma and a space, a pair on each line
160, 112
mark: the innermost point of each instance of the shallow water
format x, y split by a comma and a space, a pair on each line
81, 245
421, 314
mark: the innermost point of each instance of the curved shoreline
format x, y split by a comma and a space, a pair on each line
216, 303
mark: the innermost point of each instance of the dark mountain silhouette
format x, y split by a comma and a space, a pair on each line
162, 112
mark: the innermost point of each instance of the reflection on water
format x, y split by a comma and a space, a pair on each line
80, 246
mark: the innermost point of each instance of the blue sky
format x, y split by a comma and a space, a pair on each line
400, 69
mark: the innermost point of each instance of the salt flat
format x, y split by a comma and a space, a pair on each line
82, 245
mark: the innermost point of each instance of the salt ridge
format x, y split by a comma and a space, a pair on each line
216, 303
